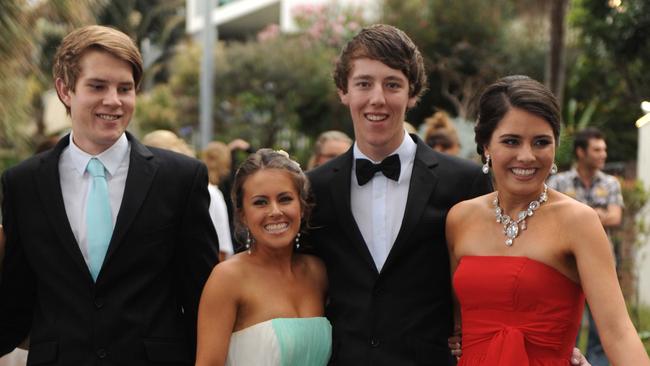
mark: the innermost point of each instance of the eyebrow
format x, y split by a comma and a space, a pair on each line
519, 136
104, 81
368, 77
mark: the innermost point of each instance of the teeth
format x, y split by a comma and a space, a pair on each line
376, 117
519, 171
108, 117
276, 227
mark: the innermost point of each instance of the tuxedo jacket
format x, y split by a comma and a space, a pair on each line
403, 314
142, 309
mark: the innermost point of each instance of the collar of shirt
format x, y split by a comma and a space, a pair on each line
595, 180
406, 152
110, 158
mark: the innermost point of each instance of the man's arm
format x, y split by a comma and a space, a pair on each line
610, 216
17, 282
198, 248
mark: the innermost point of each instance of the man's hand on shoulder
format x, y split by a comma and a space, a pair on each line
577, 359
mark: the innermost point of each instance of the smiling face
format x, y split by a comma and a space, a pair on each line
103, 101
271, 208
378, 97
522, 150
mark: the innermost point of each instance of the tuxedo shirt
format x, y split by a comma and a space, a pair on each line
378, 206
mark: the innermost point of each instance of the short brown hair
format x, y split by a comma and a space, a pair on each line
217, 158
97, 37
388, 45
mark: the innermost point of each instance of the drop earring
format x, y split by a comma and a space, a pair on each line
297, 240
486, 166
553, 169
248, 241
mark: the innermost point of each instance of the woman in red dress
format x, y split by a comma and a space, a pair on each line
525, 257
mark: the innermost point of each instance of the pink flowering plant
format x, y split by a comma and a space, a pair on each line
330, 23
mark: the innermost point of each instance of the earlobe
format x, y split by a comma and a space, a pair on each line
343, 96
412, 102
63, 91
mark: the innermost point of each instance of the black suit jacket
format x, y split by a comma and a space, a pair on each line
403, 314
142, 309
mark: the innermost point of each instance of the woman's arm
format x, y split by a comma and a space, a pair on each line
595, 263
451, 226
217, 315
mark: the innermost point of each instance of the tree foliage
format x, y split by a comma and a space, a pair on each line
611, 67
466, 45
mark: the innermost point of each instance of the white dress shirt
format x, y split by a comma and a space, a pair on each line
219, 216
76, 183
378, 206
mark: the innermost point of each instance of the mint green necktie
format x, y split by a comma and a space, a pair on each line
99, 223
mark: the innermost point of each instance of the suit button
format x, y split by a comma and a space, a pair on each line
101, 353
99, 303
377, 290
374, 343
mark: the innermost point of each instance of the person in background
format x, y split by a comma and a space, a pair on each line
587, 183
216, 157
108, 242
329, 145
264, 306
165, 139
525, 257
168, 140
441, 135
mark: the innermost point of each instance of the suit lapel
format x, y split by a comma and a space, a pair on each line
340, 195
142, 169
423, 182
49, 190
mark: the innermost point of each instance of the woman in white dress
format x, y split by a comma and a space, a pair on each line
265, 306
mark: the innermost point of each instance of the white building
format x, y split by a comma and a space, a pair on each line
643, 174
238, 19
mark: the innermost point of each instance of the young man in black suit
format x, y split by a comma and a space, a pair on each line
380, 213
109, 242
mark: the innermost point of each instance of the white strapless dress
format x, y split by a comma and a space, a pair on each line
282, 342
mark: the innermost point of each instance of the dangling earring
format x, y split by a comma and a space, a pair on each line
248, 241
486, 166
297, 240
553, 169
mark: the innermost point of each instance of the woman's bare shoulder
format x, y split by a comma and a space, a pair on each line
466, 208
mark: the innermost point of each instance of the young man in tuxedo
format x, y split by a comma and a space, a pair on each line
108, 242
380, 213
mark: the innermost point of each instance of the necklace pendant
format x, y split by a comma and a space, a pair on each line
512, 226
512, 230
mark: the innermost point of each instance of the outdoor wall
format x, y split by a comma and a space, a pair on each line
643, 174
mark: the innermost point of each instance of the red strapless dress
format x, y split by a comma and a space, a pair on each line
516, 312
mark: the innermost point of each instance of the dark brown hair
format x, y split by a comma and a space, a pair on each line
516, 91
388, 45
582, 137
270, 159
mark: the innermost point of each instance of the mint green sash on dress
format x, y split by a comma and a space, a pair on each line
303, 341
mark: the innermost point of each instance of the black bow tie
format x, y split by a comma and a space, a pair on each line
365, 169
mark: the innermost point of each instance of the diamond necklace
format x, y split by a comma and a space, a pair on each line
511, 227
